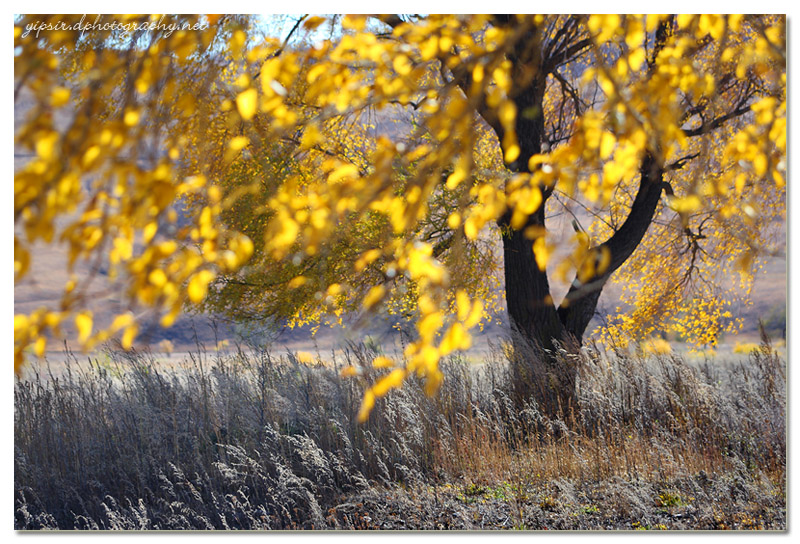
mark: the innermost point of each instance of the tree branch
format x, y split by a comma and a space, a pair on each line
578, 306
705, 128
677, 165
566, 55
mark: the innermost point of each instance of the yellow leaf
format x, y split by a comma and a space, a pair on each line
129, 336
531, 199
344, 171
507, 112
429, 48
686, 204
149, 232
652, 21
382, 362
478, 73
392, 380
123, 249
296, 282
402, 65
374, 296
604, 25
636, 58
471, 229
59, 96
334, 289
131, 118
512, 153
157, 277
246, 103
607, 142
40, 346
456, 338
198, 286
462, 305
45, 146
313, 22
168, 319
635, 35
238, 143
760, 164
91, 155
367, 403
286, 237
305, 357
541, 253
121, 321
366, 258
454, 220
243, 248
455, 178
354, 22
428, 325
685, 19
475, 314
735, 22
83, 321
21, 322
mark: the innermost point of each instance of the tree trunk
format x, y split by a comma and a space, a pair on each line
539, 370
545, 340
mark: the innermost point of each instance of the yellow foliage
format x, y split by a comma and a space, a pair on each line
305, 357
656, 345
374, 296
375, 166
392, 380
129, 335
367, 403
541, 251
745, 347
382, 362
198, 285
83, 322
246, 103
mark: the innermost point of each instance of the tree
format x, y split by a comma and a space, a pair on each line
669, 131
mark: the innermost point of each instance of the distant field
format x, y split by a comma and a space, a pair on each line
327, 350
44, 284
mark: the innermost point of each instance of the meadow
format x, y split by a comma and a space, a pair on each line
258, 439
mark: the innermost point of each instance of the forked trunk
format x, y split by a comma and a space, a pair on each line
546, 340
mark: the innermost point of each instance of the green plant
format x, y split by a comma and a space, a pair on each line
669, 499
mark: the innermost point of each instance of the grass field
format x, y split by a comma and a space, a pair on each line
251, 439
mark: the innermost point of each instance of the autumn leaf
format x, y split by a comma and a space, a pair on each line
246, 103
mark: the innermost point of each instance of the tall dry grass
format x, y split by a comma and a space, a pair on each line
254, 440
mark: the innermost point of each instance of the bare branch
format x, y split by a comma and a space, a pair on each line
677, 165
714, 124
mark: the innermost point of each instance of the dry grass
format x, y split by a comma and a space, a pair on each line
254, 441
